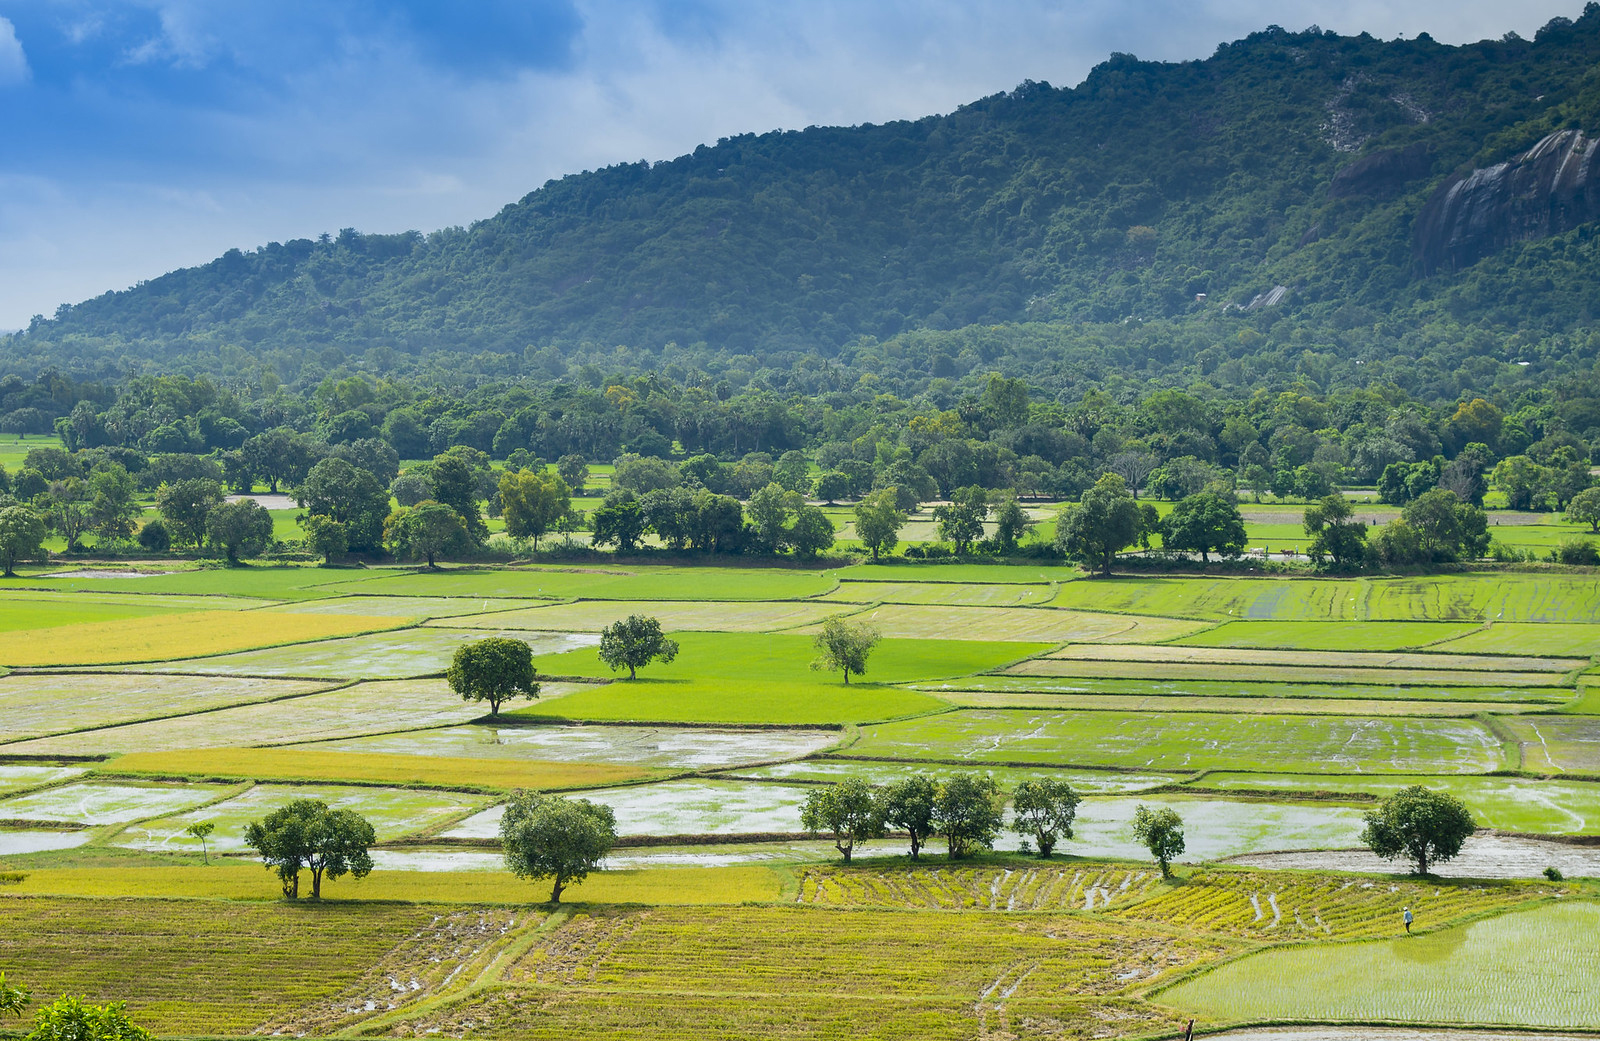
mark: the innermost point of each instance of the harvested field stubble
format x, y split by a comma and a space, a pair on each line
203, 967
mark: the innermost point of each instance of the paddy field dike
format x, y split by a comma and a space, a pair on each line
1270, 713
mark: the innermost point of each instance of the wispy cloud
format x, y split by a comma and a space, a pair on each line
13, 63
156, 133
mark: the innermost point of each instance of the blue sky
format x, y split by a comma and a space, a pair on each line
143, 135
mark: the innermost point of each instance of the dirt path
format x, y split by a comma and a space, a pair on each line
1386, 1034
1484, 856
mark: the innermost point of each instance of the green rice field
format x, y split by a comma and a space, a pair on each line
1271, 714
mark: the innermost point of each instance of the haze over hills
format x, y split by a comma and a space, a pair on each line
1300, 206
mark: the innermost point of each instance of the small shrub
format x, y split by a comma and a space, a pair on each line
154, 537
1553, 873
1578, 551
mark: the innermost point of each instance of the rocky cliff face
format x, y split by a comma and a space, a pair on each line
1551, 188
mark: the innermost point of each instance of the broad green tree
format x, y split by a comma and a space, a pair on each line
238, 527
967, 812
306, 835
186, 506
618, 521
455, 485
844, 646
1104, 522
574, 469
960, 521
74, 1019
533, 502
326, 536
546, 836
878, 522
495, 670
908, 804
1333, 534
1205, 523
279, 456
1419, 823
426, 531
634, 642
1011, 524
1044, 810
1448, 528
1585, 509
350, 495
832, 486
848, 812
769, 510
22, 533
113, 508
811, 533
66, 505
1160, 832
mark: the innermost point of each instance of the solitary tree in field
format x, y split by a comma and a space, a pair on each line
533, 502
961, 520
555, 838
307, 835
1161, 832
1104, 522
634, 642
202, 830
1585, 509
427, 530
240, 527
21, 536
1415, 822
1205, 523
878, 522
494, 670
847, 811
1045, 810
326, 536
844, 646
908, 805
12, 999
72, 1019
1333, 533
1011, 524
967, 812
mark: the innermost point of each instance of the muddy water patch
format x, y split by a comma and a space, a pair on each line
1482, 856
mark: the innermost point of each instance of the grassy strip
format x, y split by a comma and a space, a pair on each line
294, 765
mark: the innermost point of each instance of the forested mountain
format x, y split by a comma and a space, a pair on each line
1300, 207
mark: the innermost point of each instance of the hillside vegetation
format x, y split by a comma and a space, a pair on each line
1135, 226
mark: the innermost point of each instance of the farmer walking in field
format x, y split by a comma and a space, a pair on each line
1405, 916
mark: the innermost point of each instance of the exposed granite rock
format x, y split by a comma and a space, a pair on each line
1381, 175
1551, 188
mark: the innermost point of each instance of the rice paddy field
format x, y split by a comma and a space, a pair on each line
1271, 714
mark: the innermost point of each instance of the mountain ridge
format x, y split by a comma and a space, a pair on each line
1172, 194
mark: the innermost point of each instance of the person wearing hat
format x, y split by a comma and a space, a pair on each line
1405, 916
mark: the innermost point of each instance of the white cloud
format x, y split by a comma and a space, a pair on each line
13, 63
